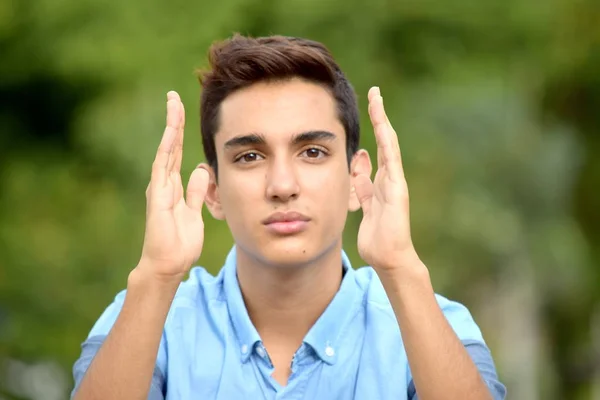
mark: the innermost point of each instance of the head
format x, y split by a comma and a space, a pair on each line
280, 130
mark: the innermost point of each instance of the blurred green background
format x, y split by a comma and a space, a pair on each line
496, 103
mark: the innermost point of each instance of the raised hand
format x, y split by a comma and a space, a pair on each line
174, 227
384, 239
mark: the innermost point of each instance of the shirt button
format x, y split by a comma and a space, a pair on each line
244, 349
329, 351
260, 351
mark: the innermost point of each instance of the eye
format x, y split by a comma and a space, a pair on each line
248, 158
314, 152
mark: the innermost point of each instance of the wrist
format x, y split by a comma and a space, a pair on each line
143, 277
403, 263
410, 273
408, 289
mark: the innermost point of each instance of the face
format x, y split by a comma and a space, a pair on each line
284, 185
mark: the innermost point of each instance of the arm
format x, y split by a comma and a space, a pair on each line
124, 364
482, 357
92, 345
440, 364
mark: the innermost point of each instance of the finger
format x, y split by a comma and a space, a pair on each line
148, 193
388, 148
165, 148
177, 186
197, 188
364, 191
378, 141
177, 145
385, 135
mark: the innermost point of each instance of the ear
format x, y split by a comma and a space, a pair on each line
212, 200
360, 165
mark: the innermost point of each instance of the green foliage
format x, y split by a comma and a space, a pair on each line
495, 104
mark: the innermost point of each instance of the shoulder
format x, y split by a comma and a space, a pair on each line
377, 301
196, 292
199, 286
191, 297
195, 297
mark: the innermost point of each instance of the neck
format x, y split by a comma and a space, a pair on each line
284, 303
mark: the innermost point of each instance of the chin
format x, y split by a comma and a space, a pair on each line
289, 252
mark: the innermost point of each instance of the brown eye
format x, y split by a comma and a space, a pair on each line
248, 158
314, 152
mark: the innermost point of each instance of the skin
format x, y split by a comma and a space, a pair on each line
286, 280
440, 365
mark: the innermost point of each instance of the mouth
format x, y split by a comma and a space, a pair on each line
287, 223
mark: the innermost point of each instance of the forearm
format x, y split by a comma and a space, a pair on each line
123, 366
440, 365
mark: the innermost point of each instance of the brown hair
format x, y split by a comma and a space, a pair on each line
241, 61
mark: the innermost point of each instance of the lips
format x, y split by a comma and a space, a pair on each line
286, 223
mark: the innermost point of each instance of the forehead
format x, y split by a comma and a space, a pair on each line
278, 110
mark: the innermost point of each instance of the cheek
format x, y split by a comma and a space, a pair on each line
330, 192
239, 195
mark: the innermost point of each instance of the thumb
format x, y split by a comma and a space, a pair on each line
364, 191
197, 188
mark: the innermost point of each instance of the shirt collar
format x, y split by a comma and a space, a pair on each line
323, 337
245, 330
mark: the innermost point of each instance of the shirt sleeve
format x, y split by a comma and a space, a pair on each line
94, 341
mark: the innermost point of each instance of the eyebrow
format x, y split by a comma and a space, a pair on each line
313, 136
245, 140
259, 139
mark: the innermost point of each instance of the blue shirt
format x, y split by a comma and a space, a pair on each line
211, 350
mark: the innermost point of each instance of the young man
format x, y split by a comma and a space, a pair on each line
287, 317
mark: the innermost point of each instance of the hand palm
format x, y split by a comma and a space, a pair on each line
174, 228
385, 228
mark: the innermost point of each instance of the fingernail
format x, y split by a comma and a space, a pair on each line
377, 91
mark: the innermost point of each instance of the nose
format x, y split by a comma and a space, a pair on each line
282, 182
